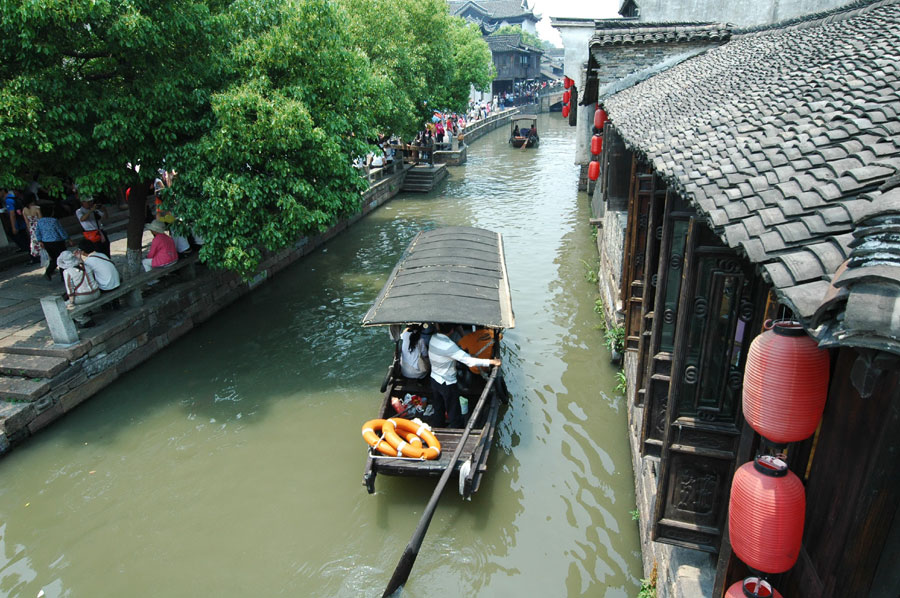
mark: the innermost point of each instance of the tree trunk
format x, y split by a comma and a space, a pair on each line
137, 202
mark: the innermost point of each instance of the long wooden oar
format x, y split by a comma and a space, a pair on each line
408, 558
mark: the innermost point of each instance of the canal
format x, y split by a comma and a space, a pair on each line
230, 464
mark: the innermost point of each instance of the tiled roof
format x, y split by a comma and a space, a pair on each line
497, 9
620, 32
781, 137
508, 43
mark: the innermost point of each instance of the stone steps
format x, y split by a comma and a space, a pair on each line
17, 389
422, 179
31, 366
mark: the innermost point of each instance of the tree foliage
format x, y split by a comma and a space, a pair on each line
429, 57
259, 105
278, 161
527, 38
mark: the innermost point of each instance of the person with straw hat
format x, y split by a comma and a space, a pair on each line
162, 250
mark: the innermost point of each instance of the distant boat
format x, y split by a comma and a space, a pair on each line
519, 133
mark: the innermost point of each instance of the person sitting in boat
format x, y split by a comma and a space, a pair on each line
532, 132
414, 352
443, 353
516, 131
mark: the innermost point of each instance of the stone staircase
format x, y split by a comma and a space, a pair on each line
422, 178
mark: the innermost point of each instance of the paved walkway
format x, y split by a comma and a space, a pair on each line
21, 289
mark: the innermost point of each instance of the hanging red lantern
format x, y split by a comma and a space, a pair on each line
566, 111
599, 118
596, 145
752, 587
765, 515
785, 383
594, 170
566, 95
567, 83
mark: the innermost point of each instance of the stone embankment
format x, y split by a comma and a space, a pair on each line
41, 380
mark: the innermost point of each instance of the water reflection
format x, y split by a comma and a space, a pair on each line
230, 464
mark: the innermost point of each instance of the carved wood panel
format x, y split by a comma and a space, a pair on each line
651, 258
701, 424
672, 233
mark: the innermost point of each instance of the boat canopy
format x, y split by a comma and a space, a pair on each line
453, 275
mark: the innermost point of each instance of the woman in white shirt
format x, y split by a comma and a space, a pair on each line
413, 353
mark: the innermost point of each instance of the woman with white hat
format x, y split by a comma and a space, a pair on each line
80, 284
162, 250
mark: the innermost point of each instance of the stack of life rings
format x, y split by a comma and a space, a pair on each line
390, 443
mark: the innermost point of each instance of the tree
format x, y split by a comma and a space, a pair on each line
259, 105
88, 87
428, 57
473, 65
277, 161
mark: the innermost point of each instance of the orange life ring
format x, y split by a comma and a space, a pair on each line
371, 430
423, 431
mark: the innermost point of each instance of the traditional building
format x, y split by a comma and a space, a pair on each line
491, 15
515, 61
751, 177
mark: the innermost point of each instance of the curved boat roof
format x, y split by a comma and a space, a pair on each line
454, 275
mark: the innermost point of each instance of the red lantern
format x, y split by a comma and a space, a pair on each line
752, 587
567, 83
566, 111
596, 145
785, 383
594, 170
599, 118
566, 95
765, 515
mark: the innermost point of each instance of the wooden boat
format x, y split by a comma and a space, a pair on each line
447, 275
523, 125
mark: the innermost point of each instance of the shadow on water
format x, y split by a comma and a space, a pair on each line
230, 464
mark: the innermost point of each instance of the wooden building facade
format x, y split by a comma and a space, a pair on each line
760, 180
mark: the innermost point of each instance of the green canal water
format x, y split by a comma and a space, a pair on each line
231, 463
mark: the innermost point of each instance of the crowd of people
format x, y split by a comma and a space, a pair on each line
444, 131
32, 221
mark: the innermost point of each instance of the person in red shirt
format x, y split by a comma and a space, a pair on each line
162, 250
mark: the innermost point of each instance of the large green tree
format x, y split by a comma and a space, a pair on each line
277, 161
259, 105
429, 58
89, 87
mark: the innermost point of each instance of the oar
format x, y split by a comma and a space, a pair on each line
408, 558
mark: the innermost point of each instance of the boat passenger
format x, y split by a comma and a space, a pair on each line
443, 353
414, 353
516, 131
